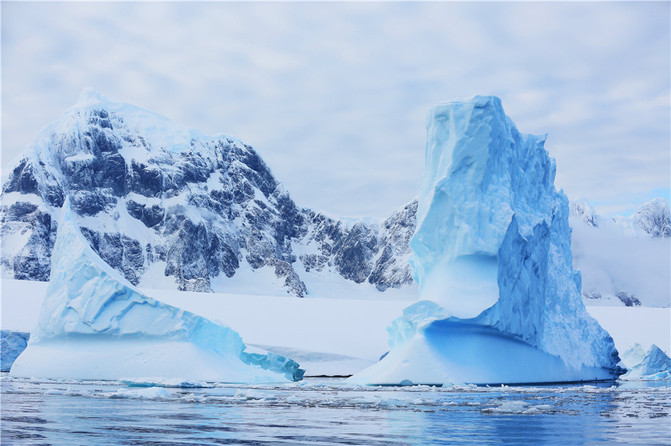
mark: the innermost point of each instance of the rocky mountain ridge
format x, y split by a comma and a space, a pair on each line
153, 195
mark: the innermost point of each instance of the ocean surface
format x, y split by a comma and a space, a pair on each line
329, 412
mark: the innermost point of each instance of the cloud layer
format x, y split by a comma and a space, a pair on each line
334, 95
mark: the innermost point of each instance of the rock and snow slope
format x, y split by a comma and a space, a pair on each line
624, 260
94, 324
168, 206
492, 257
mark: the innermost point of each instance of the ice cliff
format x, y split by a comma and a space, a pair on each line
492, 257
94, 324
12, 343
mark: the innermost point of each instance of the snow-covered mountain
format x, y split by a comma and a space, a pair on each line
171, 207
623, 260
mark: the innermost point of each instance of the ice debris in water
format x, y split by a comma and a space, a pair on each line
492, 258
94, 324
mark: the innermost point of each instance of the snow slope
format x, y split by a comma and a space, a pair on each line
492, 257
93, 324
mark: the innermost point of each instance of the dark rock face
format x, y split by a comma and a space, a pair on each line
202, 210
629, 300
654, 218
391, 268
26, 221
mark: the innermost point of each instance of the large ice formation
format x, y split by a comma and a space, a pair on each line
649, 365
94, 324
491, 254
12, 343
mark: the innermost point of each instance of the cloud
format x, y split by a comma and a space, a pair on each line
334, 95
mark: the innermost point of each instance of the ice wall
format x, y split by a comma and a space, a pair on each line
94, 324
12, 343
492, 251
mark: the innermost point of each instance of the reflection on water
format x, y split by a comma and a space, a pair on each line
331, 412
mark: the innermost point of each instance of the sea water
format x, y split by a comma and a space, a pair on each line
329, 412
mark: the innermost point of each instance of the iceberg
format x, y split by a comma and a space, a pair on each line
500, 300
12, 343
94, 324
646, 366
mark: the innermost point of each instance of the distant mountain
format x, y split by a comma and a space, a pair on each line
168, 206
623, 260
652, 219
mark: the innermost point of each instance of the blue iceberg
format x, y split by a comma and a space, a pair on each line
12, 344
94, 324
491, 255
654, 365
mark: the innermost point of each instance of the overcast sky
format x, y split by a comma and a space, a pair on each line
334, 95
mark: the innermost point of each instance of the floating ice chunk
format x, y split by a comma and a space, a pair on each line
148, 393
12, 343
517, 407
95, 325
158, 381
655, 365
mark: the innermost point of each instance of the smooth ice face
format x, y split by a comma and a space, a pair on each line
479, 172
492, 258
95, 324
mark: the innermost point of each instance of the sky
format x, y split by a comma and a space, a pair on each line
334, 96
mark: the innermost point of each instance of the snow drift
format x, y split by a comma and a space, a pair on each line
94, 324
492, 258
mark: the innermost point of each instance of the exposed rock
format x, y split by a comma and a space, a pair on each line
151, 191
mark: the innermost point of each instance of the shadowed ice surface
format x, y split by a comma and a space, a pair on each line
140, 412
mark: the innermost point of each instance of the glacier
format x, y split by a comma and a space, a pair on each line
94, 324
500, 300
